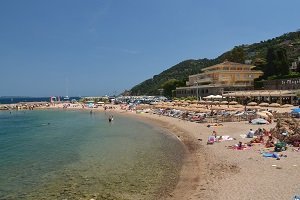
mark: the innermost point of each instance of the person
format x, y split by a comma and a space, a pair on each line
265, 132
240, 146
259, 139
250, 134
258, 132
270, 142
215, 134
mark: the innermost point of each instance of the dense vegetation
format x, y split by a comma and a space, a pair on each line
273, 57
179, 72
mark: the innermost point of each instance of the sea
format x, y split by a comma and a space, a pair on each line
12, 100
55, 154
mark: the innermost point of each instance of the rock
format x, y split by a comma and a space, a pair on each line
290, 128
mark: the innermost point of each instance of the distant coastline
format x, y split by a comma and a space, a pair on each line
19, 99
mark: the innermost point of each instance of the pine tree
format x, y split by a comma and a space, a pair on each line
270, 68
282, 62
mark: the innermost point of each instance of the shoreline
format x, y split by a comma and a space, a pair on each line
190, 164
198, 167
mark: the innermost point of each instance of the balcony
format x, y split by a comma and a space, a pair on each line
202, 81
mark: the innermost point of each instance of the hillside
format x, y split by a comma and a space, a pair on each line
255, 54
180, 72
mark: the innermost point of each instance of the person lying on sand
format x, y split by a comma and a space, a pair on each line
214, 125
240, 146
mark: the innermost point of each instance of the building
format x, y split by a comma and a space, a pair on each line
282, 84
259, 96
226, 76
295, 65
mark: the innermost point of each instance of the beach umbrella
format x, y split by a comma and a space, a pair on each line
215, 102
264, 104
259, 121
252, 104
267, 112
224, 102
209, 97
287, 105
296, 110
233, 102
274, 105
264, 114
218, 97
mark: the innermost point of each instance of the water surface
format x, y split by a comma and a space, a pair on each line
76, 155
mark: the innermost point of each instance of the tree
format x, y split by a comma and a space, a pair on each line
270, 69
282, 62
171, 85
259, 63
277, 63
236, 55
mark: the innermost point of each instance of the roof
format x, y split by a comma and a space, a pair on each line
228, 63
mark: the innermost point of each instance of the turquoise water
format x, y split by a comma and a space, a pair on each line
76, 155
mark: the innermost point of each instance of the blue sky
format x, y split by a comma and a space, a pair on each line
104, 47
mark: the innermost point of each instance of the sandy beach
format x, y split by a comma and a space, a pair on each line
217, 172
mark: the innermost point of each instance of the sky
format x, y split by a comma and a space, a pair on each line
102, 47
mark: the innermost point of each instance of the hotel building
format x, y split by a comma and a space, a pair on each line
226, 76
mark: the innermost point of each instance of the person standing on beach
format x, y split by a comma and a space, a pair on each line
214, 134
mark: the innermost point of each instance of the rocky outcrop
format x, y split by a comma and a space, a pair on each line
287, 130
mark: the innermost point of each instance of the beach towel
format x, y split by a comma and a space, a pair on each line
235, 147
270, 155
224, 138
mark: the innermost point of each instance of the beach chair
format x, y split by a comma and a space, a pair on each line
211, 140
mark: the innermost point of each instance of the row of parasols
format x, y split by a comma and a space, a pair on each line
263, 104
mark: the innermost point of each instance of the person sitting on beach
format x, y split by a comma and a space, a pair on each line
265, 132
240, 146
270, 142
250, 134
259, 139
258, 132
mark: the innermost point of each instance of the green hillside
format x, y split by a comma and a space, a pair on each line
287, 45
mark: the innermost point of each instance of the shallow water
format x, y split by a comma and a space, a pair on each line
78, 155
